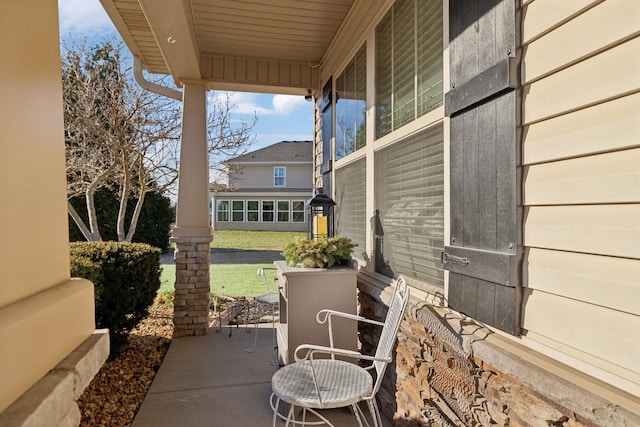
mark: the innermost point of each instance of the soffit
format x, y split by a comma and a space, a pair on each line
176, 37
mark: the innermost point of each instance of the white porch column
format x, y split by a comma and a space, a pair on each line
192, 233
192, 215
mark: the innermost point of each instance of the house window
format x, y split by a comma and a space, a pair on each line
253, 211
351, 105
326, 112
283, 211
409, 67
222, 209
409, 195
279, 176
351, 215
237, 210
268, 207
297, 208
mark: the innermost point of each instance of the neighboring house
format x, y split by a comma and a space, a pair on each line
501, 137
267, 189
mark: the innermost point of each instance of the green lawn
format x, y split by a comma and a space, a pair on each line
232, 239
237, 279
227, 279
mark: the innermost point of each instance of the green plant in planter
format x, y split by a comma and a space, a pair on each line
319, 253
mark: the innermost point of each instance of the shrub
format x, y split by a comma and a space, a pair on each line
126, 278
319, 253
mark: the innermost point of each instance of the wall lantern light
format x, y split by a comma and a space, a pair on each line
320, 216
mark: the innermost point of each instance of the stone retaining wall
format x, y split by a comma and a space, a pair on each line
435, 380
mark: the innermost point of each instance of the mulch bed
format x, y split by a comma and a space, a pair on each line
115, 394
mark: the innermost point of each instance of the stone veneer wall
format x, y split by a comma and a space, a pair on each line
436, 381
192, 288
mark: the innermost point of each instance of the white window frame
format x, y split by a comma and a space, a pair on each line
303, 211
288, 211
227, 211
257, 211
263, 211
234, 211
276, 176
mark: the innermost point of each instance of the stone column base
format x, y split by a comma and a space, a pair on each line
192, 288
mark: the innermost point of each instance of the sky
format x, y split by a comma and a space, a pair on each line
280, 117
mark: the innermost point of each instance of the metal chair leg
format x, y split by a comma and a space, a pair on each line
255, 336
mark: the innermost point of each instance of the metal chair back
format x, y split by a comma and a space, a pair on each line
390, 329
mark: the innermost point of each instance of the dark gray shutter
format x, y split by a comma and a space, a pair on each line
484, 254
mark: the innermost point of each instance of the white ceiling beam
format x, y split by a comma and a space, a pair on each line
171, 23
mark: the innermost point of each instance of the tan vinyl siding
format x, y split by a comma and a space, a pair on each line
610, 230
561, 47
588, 82
611, 126
581, 183
603, 178
555, 319
585, 277
261, 176
544, 15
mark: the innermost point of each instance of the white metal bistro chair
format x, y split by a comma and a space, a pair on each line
313, 382
272, 299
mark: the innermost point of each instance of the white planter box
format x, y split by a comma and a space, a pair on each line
304, 292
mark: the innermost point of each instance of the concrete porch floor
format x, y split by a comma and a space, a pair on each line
212, 381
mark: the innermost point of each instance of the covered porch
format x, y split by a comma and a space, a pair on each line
213, 380
255, 46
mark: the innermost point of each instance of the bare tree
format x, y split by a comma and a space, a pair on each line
124, 138
228, 137
118, 136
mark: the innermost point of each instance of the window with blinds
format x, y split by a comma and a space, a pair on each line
409, 191
351, 105
350, 211
429, 62
408, 63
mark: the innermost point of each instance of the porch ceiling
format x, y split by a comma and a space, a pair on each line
257, 45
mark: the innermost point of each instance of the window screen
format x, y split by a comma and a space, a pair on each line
410, 203
351, 218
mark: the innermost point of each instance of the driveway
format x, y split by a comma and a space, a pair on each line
234, 256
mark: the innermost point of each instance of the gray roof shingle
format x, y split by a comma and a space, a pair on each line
284, 151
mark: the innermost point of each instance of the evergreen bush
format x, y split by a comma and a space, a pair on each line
126, 278
154, 224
